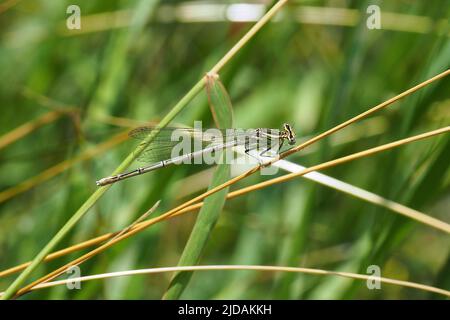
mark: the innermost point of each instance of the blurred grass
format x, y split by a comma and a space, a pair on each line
310, 75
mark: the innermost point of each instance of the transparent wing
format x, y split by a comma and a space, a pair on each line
157, 152
141, 133
167, 139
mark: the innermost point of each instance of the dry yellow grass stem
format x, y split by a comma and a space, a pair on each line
315, 139
123, 122
182, 103
249, 35
61, 253
438, 224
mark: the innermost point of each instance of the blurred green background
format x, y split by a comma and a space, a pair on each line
317, 65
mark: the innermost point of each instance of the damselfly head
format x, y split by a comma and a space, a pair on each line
289, 133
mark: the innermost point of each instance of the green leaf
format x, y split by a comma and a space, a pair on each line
222, 111
204, 224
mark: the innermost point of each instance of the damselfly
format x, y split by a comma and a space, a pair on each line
162, 151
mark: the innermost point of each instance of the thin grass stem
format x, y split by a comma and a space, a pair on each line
312, 271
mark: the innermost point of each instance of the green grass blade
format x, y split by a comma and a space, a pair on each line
219, 101
138, 23
222, 111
